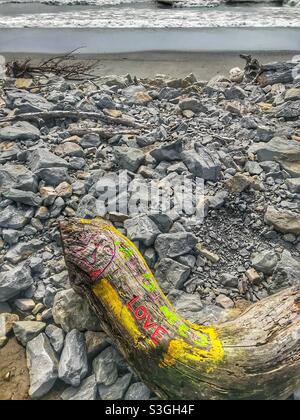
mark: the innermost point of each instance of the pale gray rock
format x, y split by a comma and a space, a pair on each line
171, 274
188, 306
73, 365
13, 218
27, 102
23, 250
117, 390
21, 130
14, 281
287, 271
129, 158
43, 158
175, 244
56, 336
264, 261
192, 104
43, 366
26, 331
279, 148
293, 185
138, 391
285, 221
87, 391
24, 197
142, 228
105, 367
71, 311
202, 163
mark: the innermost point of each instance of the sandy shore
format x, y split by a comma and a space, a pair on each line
203, 65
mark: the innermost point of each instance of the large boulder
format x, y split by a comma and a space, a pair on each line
287, 272
171, 274
71, 311
279, 149
142, 228
86, 392
73, 365
14, 281
26, 331
42, 365
285, 221
173, 245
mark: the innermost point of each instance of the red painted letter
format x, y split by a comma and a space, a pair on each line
140, 312
157, 334
129, 304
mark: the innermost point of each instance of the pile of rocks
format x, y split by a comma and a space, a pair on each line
241, 140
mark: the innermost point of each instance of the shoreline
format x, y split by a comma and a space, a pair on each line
174, 64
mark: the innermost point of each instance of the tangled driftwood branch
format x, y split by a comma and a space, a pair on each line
256, 356
67, 66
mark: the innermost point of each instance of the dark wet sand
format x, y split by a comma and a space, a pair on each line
203, 65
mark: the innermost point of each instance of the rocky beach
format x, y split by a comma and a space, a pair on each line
64, 144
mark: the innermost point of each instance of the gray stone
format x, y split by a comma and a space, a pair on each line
11, 236
225, 302
167, 151
13, 218
189, 260
202, 164
191, 104
175, 244
27, 183
129, 158
95, 343
24, 197
23, 250
69, 149
28, 102
25, 305
43, 366
105, 367
5, 308
297, 393
218, 200
43, 158
117, 390
287, 271
288, 110
278, 149
171, 274
86, 392
14, 281
253, 168
26, 331
9, 153
264, 261
137, 391
71, 311
73, 365
56, 336
53, 176
264, 134
162, 221
228, 280
235, 92
292, 94
188, 306
285, 221
90, 140
142, 228
10, 174
293, 185
20, 131
87, 207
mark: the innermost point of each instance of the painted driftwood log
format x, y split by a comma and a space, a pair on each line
256, 356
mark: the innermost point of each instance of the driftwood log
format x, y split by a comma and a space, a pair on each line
269, 74
256, 356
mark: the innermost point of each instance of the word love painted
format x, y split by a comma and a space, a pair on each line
141, 314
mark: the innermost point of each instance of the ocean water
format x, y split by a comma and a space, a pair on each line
137, 25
